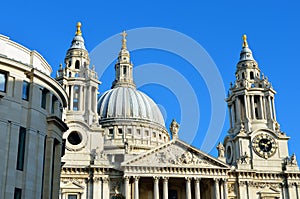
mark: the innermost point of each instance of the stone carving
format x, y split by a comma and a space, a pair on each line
161, 157
72, 180
96, 154
262, 185
174, 127
292, 161
244, 159
221, 150
174, 155
231, 188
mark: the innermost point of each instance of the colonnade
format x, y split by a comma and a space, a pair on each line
219, 187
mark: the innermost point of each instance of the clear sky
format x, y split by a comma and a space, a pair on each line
272, 27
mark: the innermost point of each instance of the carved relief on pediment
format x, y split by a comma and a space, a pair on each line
173, 155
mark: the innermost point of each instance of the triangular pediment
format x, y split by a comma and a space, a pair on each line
175, 153
71, 186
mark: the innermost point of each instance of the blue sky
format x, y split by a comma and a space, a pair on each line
272, 28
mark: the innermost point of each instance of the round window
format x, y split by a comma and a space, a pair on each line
74, 138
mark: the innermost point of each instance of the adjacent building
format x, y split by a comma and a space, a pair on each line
31, 126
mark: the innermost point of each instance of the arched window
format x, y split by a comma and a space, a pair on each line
77, 64
251, 75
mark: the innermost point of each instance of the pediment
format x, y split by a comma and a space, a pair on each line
269, 192
175, 153
71, 186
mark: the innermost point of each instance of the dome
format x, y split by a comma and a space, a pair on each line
128, 103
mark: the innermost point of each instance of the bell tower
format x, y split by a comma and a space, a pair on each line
123, 67
80, 81
81, 84
254, 139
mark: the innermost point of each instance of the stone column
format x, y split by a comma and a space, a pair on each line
127, 186
188, 188
246, 107
105, 186
217, 191
136, 187
197, 188
253, 109
156, 187
225, 189
71, 96
165, 187
97, 188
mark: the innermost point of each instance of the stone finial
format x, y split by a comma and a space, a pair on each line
174, 127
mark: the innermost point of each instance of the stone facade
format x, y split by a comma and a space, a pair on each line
119, 147
31, 126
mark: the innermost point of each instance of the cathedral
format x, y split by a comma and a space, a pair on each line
118, 146
70, 143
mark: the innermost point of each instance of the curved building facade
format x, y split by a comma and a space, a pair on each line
31, 105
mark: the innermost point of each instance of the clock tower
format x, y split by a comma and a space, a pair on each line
254, 139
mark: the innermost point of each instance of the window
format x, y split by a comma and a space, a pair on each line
44, 97
76, 98
129, 131
3, 80
72, 196
138, 131
124, 70
21, 149
77, 64
54, 99
251, 75
147, 133
120, 131
74, 138
111, 131
154, 134
18, 193
25, 91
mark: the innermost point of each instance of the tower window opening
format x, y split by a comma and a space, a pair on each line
251, 75
242, 107
77, 64
111, 131
124, 71
257, 110
25, 91
138, 131
120, 131
70, 63
76, 98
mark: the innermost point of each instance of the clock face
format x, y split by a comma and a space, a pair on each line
264, 145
